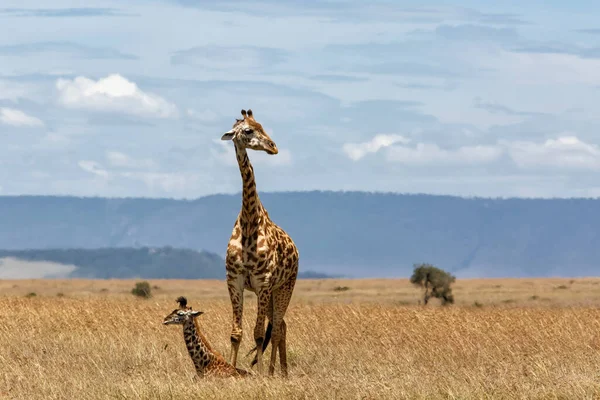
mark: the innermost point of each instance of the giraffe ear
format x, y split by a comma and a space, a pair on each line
195, 314
228, 135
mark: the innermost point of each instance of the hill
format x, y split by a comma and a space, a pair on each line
118, 263
343, 233
127, 263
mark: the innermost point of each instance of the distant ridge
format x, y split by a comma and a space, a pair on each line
354, 234
126, 263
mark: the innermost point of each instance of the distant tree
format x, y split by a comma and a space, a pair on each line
435, 281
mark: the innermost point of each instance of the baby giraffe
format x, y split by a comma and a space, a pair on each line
208, 362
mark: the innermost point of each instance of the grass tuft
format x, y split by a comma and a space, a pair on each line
341, 288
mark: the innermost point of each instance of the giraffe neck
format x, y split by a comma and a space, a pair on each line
252, 208
198, 350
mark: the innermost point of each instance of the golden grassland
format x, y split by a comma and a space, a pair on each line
503, 339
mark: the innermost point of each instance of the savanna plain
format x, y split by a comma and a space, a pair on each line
347, 339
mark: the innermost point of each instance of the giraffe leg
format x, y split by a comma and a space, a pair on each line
236, 295
283, 350
267, 333
264, 297
276, 332
281, 300
281, 347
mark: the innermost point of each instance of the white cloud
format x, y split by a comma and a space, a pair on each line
93, 168
564, 152
204, 116
164, 181
397, 150
225, 57
13, 91
53, 141
161, 183
118, 159
356, 151
542, 68
432, 154
13, 117
114, 94
54, 138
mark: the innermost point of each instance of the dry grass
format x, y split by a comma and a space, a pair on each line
371, 341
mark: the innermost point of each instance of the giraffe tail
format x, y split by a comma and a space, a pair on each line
264, 345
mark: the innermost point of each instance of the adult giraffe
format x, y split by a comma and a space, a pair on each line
261, 257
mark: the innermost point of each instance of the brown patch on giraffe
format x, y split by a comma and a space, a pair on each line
251, 257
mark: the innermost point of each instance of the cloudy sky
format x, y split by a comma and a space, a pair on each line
457, 97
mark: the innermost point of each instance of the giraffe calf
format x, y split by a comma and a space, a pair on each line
208, 362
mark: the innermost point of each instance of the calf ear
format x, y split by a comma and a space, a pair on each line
228, 135
196, 313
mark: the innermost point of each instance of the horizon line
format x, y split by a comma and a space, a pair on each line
328, 191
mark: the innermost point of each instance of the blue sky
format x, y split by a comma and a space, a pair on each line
451, 97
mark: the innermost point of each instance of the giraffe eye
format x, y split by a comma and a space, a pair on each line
248, 131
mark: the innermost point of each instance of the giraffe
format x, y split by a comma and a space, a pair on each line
207, 361
261, 257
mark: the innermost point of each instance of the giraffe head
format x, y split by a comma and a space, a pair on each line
181, 315
249, 134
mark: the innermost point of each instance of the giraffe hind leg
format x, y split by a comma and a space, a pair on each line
281, 301
283, 350
265, 343
267, 334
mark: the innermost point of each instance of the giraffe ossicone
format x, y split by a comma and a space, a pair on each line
261, 257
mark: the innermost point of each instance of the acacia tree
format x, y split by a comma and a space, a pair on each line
435, 281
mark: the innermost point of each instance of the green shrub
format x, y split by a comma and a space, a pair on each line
341, 288
142, 289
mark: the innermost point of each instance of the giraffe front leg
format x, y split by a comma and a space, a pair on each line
236, 295
264, 298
